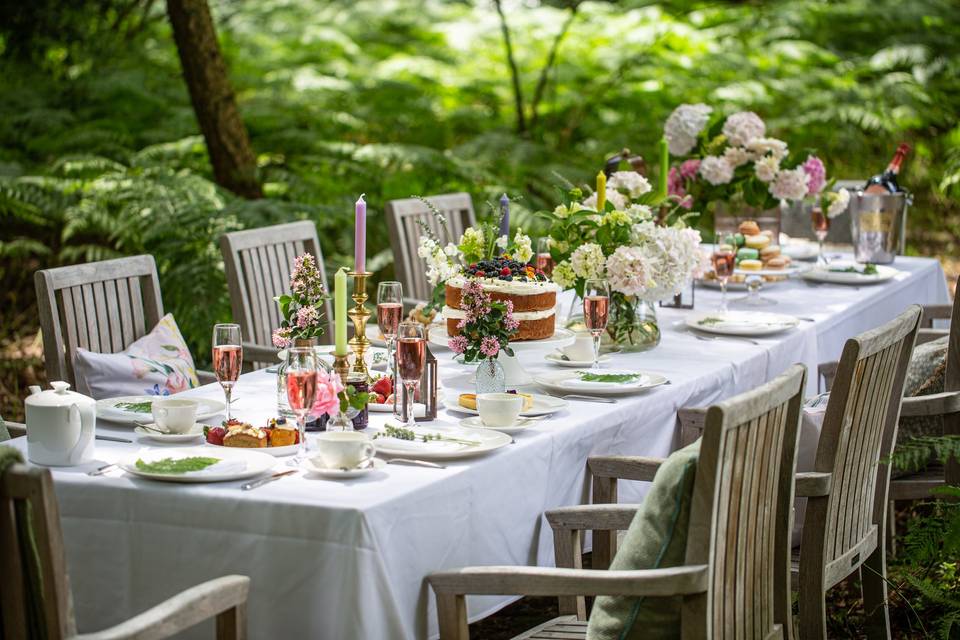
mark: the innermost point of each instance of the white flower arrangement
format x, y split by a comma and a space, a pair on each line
587, 261
684, 125
741, 128
630, 182
716, 170
837, 202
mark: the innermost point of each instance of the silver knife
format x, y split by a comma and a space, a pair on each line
589, 399
113, 439
416, 463
99, 471
246, 486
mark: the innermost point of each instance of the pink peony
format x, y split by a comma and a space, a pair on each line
689, 169
327, 399
490, 347
816, 175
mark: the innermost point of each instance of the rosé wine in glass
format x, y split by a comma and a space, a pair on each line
388, 318
411, 359
596, 311
227, 358
301, 389
301, 377
724, 262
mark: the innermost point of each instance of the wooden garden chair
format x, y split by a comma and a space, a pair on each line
224, 598
404, 218
258, 263
100, 306
736, 574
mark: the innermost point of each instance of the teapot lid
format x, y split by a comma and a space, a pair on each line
59, 395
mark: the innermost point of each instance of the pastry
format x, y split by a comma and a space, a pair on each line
747, 254
281, 433
749, 228
241, 434
751, 265
469, 400
758, 241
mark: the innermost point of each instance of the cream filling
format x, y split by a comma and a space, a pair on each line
515, 288
459, 314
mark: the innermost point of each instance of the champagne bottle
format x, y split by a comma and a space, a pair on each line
886, 182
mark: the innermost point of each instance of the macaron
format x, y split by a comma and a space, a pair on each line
758, 241
770, 251
751, 265
749, 228
739, 239
747, 254
776, 263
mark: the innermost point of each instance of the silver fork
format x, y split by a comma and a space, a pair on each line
712, 338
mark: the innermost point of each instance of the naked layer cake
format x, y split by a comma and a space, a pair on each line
534, 297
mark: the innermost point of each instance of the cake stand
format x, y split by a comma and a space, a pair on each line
514, 373
754, 281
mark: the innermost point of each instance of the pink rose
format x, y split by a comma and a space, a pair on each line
327, 399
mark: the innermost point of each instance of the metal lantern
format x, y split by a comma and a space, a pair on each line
684, 299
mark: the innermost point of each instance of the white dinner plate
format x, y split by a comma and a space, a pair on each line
571, 382
107, 408
196, 431
741, 323
234, 464
825, 274
554, 357
342, 474
518, 426
543, 405
485, 440
439, 337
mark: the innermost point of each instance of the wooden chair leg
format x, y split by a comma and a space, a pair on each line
568, 555
604, 542
452, 615
892, 528
232, 623
873, 580
813, 615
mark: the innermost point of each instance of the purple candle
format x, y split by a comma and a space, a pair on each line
360, 236
505, 221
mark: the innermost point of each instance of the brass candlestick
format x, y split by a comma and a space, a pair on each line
341, 366
359, 315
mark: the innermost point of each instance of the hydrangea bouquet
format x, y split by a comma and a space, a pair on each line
302, 308
734, 161
644, 257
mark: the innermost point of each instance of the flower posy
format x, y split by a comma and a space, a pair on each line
684, 125
302, 308
487, 324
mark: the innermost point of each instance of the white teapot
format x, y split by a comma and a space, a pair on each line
60, 425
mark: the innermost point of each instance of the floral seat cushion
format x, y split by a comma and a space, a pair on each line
159, 363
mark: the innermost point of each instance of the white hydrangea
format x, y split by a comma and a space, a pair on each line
502, 242
522, 247
839, 200
439, 266
684, 125
630, 181
563, 275
563, 211
618, 199
659, 263
716, 170
760, 147
587, 261
627, 270
736, 156
451, 250
790, 184
741, 128
766, 168
640, 212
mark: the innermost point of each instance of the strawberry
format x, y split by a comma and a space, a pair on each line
381, 399
505, 271
383, 386
214, 435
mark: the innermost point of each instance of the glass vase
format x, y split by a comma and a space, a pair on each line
339, 422
633, 324
491, 377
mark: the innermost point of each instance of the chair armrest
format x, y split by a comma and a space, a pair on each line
603, 517
548, 581
935, 404
206, 377
933, 312
180, 612
16, 429
813, 484
929, 335
253, 352
624, 467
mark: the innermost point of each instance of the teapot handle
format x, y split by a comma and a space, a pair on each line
86, 432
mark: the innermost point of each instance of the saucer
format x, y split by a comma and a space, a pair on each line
308, 465
554, 357
477, 423
196, 431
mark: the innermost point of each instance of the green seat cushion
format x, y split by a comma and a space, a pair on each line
657, 538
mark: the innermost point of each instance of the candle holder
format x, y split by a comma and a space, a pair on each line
359, 315
341, 366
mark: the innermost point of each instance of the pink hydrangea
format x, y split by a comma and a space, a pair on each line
490, 347
329, 388
689, 169
281, 338
307, 317
457, 344
816, 175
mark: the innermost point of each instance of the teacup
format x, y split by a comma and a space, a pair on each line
342, 450
581, 349
176, 415
499, 409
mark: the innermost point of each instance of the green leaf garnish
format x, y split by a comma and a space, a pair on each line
617, 378
176, 465
136, 407
710, 320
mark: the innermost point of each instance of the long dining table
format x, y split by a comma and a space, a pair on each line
348, 558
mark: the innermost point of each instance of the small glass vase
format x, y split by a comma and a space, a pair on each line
340, 422
633, 324
491, 377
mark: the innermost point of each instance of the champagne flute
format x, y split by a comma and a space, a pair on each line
301, 373
724, 261
411, 357
596, 310
821, 227
389, 312
544, 259
227, 357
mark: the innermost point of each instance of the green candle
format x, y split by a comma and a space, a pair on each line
340, 311
664, 166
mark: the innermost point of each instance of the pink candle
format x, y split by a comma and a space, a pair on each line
360, 237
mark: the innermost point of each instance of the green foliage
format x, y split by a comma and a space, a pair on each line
916, 453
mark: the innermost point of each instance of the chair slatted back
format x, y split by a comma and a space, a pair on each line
21, 485
258, 263
99, 306
859, 429
741, 514
404, 218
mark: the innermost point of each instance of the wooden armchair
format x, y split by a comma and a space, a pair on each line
404, 218
258, 263
738, 536
224, 598
100, 306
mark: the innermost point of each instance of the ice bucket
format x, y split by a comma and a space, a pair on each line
878, 225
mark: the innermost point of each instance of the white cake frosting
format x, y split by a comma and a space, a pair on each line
511, 287
459, 314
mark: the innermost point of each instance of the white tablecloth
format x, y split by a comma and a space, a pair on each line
348, 559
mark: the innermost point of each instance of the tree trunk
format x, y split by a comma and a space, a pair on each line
514, 71
234, 164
